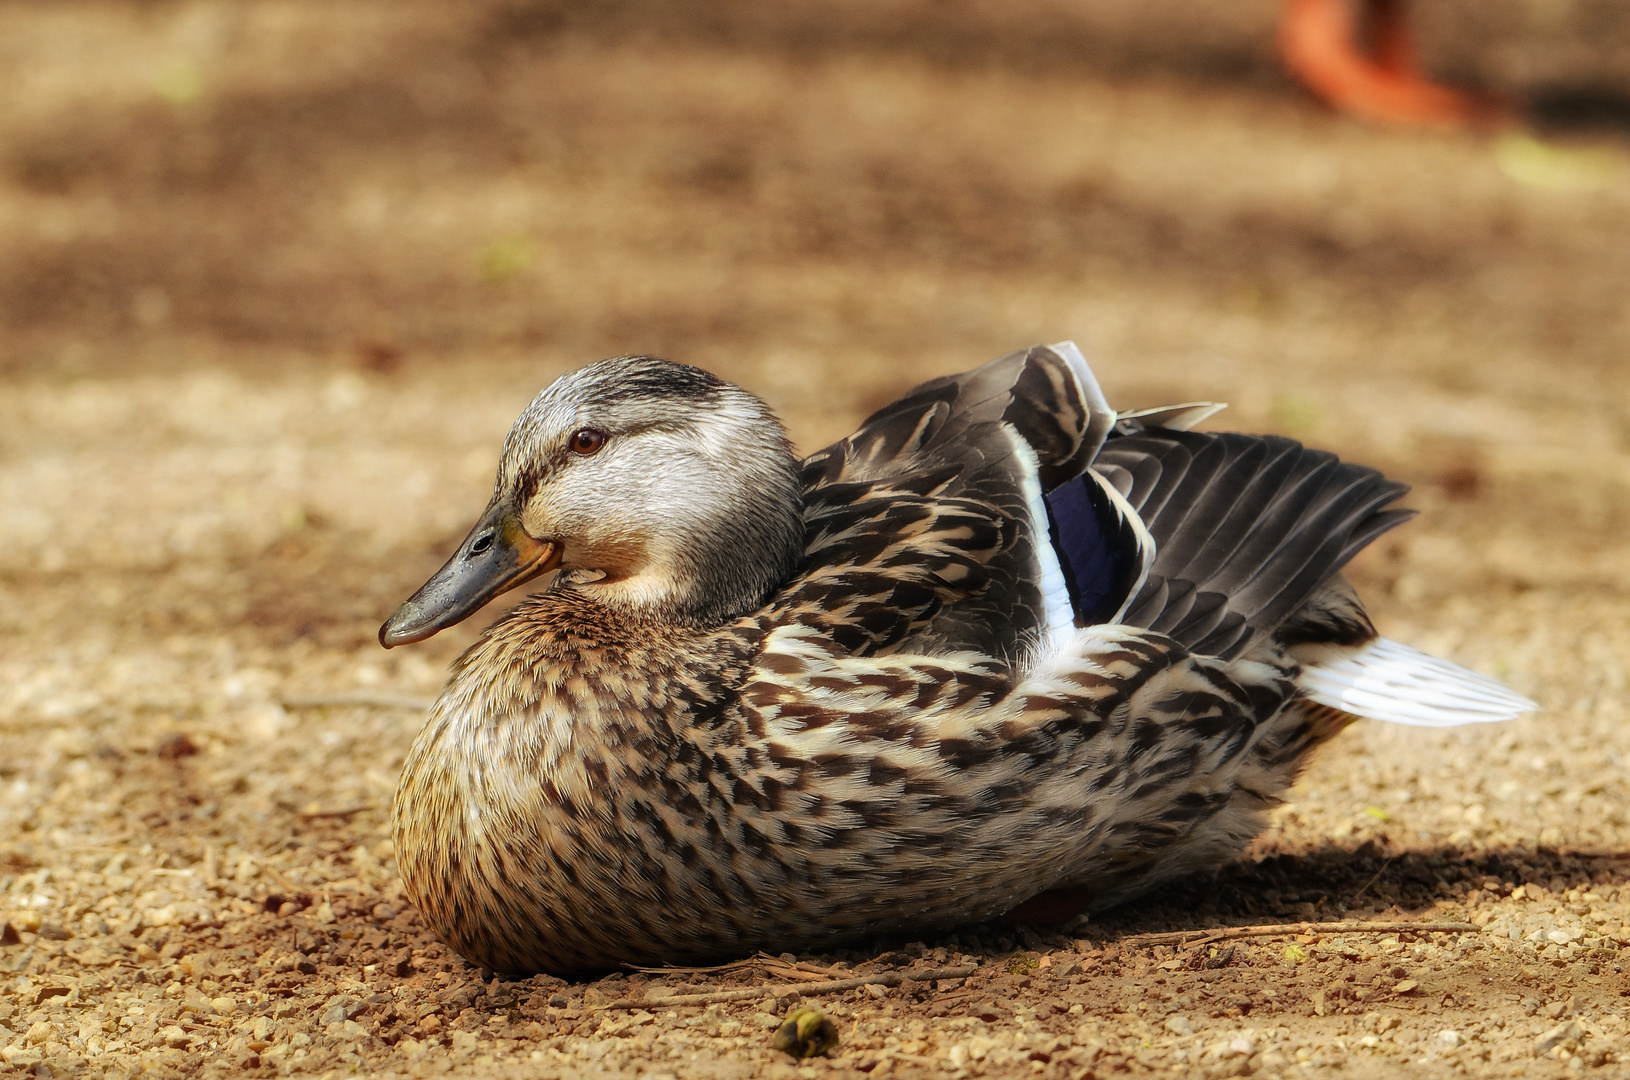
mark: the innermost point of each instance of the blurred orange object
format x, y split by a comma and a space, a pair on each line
1320, 43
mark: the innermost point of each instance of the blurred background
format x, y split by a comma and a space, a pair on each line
276, 275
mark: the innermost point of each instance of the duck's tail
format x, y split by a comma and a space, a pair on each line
1386, 680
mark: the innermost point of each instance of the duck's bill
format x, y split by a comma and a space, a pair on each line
497, 556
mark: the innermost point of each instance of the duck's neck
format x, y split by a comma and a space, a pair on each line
571, 693
564, 655
562, 645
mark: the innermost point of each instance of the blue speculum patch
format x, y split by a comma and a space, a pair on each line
1096, 550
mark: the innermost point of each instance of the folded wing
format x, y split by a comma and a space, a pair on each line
927, 528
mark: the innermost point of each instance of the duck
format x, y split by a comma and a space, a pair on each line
1001, 643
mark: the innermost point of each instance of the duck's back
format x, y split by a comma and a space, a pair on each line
997, 511
921, 525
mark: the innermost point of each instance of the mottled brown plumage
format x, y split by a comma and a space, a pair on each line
897, 716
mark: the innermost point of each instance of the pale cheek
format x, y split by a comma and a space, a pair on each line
618, 498
556, 516
649, 589
538, 521
614, 555
614, 545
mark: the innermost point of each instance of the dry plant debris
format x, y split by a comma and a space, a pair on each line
807, 1033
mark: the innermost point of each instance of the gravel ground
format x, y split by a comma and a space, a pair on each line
275, 278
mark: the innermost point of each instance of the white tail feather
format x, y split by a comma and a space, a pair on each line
1389, 681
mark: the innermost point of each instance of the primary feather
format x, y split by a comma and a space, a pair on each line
1023, 644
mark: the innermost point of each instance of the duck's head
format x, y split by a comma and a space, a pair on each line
662, 491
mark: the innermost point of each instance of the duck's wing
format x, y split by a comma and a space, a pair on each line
927, 528
1251, 535
965, 516
1246, 528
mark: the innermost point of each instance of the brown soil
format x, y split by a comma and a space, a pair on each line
275, 277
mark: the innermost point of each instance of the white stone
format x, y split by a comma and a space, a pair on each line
1179, 1025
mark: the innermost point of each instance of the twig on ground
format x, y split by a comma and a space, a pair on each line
760, 958
796, 970
347, 812
892, 978
1373, 879
790, 972
732, 966
1184, 938
356, 700
281, 880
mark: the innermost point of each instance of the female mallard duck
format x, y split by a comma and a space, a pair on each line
999, 641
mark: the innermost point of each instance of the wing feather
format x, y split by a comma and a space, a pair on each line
930, 509
936, 503
1246, 528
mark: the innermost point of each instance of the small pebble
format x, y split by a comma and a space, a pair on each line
1563, 1032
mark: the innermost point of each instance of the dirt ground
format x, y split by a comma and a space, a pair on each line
276, 276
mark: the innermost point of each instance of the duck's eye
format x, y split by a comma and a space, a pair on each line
586, 441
